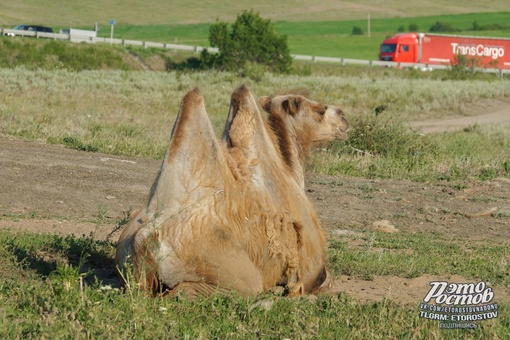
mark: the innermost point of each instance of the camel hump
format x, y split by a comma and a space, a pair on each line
193, 159
241, 103
245, 128
192, 134
192, 130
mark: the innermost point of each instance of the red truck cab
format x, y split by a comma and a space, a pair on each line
400, 48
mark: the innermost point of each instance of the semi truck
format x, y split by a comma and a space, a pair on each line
440, 49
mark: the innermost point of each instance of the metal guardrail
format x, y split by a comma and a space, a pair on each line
198, 49
371, 63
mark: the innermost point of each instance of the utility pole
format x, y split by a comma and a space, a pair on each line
368, 24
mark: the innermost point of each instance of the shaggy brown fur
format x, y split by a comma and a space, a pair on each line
274, 152
301, 124
229, 216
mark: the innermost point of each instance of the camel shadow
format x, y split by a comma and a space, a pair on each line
41, 254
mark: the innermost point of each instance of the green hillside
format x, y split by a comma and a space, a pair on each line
326, 38
313, 27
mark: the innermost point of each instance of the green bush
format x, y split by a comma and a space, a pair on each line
385, 136
488, 27
442, 27
356, 30
250, 39
379, 146
464, 67
413, 27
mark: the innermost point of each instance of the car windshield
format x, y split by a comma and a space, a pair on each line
388, 48
33, 28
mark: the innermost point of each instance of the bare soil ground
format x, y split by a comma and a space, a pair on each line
493, 112
52, 189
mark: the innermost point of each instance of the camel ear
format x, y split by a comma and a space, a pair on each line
265, 103
291, 105
233, 110
193, 154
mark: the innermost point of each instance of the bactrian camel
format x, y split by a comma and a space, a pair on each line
233, 214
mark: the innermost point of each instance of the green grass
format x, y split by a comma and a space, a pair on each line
318, 38
414, 254
49, 54
334, 39
384, 147
323, 38
58, 286
51, 286
132, 113
193, 34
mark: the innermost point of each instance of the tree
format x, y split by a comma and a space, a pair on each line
249, 40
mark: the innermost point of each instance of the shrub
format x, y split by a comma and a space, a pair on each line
381, 134
442, 27
379, 146
413, 27
489, 27
463, 67
249, 40
356, 30
191, 63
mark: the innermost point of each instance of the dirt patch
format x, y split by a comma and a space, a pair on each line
394, 288
495, 112
52, 189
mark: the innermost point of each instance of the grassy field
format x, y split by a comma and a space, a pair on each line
64, 300
334, 39
47, 289
330, 36
130, 12
325, 38
131, 113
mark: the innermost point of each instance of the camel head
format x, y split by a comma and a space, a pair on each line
313, 122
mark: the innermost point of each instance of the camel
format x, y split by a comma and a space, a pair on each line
233, 216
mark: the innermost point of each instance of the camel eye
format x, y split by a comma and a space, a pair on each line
285, 105
322, 111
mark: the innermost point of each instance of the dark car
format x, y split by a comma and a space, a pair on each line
33, 28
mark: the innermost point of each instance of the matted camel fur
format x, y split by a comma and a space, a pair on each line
233, 214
